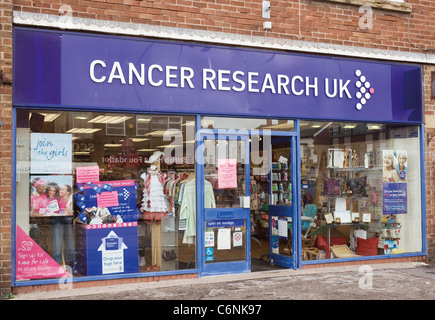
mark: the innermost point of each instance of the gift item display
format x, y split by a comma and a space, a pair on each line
361, 200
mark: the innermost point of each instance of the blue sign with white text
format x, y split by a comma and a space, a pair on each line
81, 70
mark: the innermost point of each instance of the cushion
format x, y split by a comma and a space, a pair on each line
367, 247
322, 243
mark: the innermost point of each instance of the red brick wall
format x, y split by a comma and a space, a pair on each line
318, 21
6, 143
429, 111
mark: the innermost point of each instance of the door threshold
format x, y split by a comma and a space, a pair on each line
263, 264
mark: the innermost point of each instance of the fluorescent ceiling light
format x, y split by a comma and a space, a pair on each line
81, 117
83, 130
280, 126
349, 126
109, 119
170, 145
161, 133
189, 123
143, 119
156, 133
324, 127
136, 139
50, 117
113, 145
145, 150
373, 127
82, 153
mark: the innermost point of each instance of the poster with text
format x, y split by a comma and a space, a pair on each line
50, 153
32, 262
395, 198
119, 197
395, 187
227, 173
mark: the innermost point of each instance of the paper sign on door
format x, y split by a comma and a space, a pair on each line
227, 173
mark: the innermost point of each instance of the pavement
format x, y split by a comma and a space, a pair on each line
385, 282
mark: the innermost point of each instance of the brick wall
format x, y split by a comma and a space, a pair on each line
429, 111
318, 21
6, 143
306, 20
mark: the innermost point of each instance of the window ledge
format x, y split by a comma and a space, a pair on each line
378, 4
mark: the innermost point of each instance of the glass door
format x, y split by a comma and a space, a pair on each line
282, 204
224, 202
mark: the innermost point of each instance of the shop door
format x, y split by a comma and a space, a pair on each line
283, 206
224, 245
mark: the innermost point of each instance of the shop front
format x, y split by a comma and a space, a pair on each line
137, 157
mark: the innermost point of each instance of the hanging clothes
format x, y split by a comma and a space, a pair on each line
188, 207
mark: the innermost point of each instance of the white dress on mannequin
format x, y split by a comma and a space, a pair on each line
154, 199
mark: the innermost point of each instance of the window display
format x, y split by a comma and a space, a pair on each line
99, 194
360, 175
106, 194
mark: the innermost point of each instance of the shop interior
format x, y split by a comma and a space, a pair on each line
341, 171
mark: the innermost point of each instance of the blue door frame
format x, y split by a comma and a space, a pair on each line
289, 212
203, 215
219, 214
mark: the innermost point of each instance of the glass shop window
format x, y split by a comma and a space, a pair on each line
101, 194
364, 181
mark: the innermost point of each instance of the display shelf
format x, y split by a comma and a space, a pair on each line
281, 186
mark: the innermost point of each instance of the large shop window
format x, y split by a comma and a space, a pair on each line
101, 194
363, 183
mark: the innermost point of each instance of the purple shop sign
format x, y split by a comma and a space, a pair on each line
79, 70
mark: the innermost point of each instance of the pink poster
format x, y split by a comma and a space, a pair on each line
107, 199
227, 173
32, 262
88, 174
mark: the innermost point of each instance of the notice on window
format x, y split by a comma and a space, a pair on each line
237, 239
224, 239
107, 199
395, 190
209, 239
395, 198
227, 173
50, 153
88, 174
283, 228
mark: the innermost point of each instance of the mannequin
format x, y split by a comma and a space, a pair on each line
154, 206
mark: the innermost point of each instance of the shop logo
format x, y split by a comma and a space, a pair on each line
365, 90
